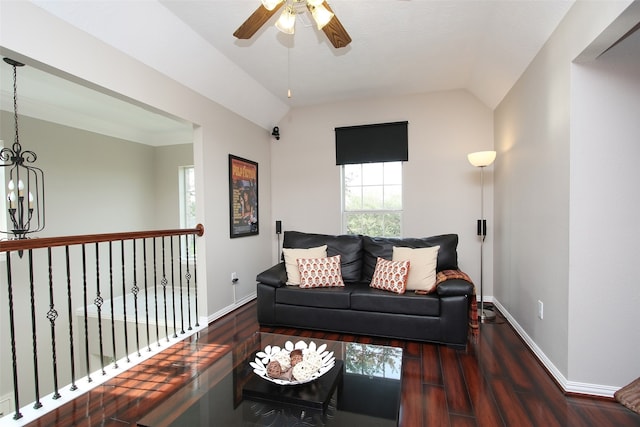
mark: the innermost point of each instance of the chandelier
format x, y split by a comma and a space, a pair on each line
287, 21
25, 196
320, 10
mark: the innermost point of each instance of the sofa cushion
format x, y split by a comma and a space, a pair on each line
320, 272
364, 298
347, 246
337, 297
422, 274
291, 260
390, 275
375, 247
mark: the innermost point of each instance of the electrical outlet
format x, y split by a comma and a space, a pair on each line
540, 310
234, 277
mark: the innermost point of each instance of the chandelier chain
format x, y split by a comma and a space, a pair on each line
15, 108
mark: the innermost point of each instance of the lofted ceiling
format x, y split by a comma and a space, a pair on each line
399, 47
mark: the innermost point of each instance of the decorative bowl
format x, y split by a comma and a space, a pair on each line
317, 359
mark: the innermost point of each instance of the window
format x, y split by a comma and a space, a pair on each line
187, 208
187, 197
372, 199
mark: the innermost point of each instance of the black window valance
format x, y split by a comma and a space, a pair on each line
382, 142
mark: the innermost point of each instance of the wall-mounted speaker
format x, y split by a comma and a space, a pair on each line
278, 227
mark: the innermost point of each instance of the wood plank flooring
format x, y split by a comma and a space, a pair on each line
496, 381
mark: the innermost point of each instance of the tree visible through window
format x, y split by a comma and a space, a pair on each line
372, 199
187, 197
187, 207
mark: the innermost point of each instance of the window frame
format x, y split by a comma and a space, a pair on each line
345, 213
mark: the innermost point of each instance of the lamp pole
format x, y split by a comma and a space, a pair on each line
482, 159
482, 231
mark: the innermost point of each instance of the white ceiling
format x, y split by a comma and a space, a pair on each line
399, 47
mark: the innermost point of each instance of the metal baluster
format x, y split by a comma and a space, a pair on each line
70, 308
155, 290
188, 277
124, 303
86, 319
98, 301
52, 315
173, 291
195, 278
34, 338
111, 296
12, 326
134, 290
180, 275
146, 295
164, 291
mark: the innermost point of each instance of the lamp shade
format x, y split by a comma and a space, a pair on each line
481, 158
270, 4
321, 15
287, 21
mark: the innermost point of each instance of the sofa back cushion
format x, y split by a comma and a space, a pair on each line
382, 247
347, 246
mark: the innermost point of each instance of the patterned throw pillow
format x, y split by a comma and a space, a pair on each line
320, 272
390, 275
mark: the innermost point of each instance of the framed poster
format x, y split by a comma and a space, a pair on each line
243, 197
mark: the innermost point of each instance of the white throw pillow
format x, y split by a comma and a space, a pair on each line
291, 264
422, 273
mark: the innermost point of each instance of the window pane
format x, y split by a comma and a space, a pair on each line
352, 198
393, 173
369, 224
352, 175
372, 174
374, 224
391, 225
393, 197
372, 197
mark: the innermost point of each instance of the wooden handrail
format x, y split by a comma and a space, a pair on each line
47, 242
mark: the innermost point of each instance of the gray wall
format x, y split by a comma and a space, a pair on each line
98, 184
535, 208
94, 184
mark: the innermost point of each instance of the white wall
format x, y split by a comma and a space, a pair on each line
168, 160
532, 192
94, 184
441, 188
89, 176
605, 206
31, 35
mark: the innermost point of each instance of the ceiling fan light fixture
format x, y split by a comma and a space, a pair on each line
287, 21
270, 4
320, 14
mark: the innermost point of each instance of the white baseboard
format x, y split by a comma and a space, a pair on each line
228, 309
566, 385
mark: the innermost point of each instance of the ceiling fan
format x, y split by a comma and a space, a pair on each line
319, 9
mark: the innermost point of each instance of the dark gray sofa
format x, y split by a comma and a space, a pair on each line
440, 317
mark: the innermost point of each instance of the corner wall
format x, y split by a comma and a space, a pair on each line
441, 189
604, 295
533, 127
37, 38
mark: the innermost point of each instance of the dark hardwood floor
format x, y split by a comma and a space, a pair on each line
496, 381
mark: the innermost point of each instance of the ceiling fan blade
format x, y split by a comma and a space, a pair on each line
255, 21
335, 32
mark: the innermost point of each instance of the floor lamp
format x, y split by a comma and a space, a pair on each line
482, 159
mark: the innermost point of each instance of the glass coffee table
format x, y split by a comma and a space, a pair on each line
362, 389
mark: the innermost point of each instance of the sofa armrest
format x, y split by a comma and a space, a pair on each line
454, 287
275, 276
